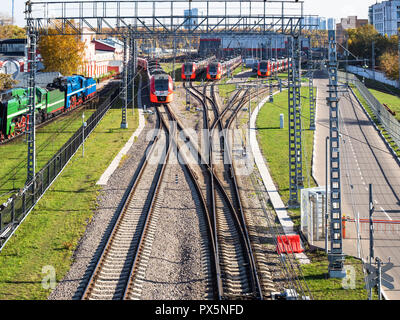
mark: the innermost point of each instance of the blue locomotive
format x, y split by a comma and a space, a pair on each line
77, 89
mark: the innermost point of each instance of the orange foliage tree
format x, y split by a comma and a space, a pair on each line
389, 63
61, 53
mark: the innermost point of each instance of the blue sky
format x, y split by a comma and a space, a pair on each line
326, 8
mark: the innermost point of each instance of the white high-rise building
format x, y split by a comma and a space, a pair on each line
385, 17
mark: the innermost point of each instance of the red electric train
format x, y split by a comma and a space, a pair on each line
216, 70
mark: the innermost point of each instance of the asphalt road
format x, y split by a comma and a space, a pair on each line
364, 160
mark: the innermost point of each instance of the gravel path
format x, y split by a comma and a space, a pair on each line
178, 264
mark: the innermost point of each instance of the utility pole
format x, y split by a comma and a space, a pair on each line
12, 21
373, 59
371, 226
326, 194
311, 87
398, 49
294, 113
31, 166
347, 59
379, 269
124, 123
336, 253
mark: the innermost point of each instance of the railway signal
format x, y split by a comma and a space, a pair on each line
377, 277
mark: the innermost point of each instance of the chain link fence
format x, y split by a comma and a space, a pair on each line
14, 211
389, 122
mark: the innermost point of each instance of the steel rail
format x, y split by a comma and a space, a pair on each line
239, 214
143, 165
210, 222
218, 182
146, 225
254, 282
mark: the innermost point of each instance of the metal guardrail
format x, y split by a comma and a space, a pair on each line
22, 203
389, 122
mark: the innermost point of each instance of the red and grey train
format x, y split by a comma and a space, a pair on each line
216, 70
161, 84
192, 69
267, 67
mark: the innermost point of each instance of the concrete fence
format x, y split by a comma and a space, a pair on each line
374, 75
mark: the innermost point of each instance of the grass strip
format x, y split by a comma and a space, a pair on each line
49, 139
50, 234
366, 106
274, 143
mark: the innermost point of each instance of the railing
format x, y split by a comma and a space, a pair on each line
389, 122
22, 203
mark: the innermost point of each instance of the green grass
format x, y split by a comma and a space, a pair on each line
48, 140
388, 138
324, 288
392, 101
50, 234
240, 69
168, 68
274, 143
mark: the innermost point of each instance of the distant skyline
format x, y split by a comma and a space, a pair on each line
330, 9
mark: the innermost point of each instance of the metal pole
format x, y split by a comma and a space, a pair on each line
379, 262
83, 135
347, 59
373, 59
358, 236
371, 233
326, 194
398, 49
336, 254
371, 226
249, 108
31, 166
124, 123
173, 63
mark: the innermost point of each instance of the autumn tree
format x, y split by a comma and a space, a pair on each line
389, 63
12, 32
61, 53
360, 42
6, 81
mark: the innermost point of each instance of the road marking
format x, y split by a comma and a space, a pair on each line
386, 213
376, 202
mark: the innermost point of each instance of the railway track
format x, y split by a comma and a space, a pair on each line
121, 267
132, 233
238, 271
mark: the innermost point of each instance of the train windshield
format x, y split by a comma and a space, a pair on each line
161, 85
188, 67
213, 67
263, 65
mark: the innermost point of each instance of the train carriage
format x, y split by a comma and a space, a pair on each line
192, 69
161, 84
216, 70
264, 68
